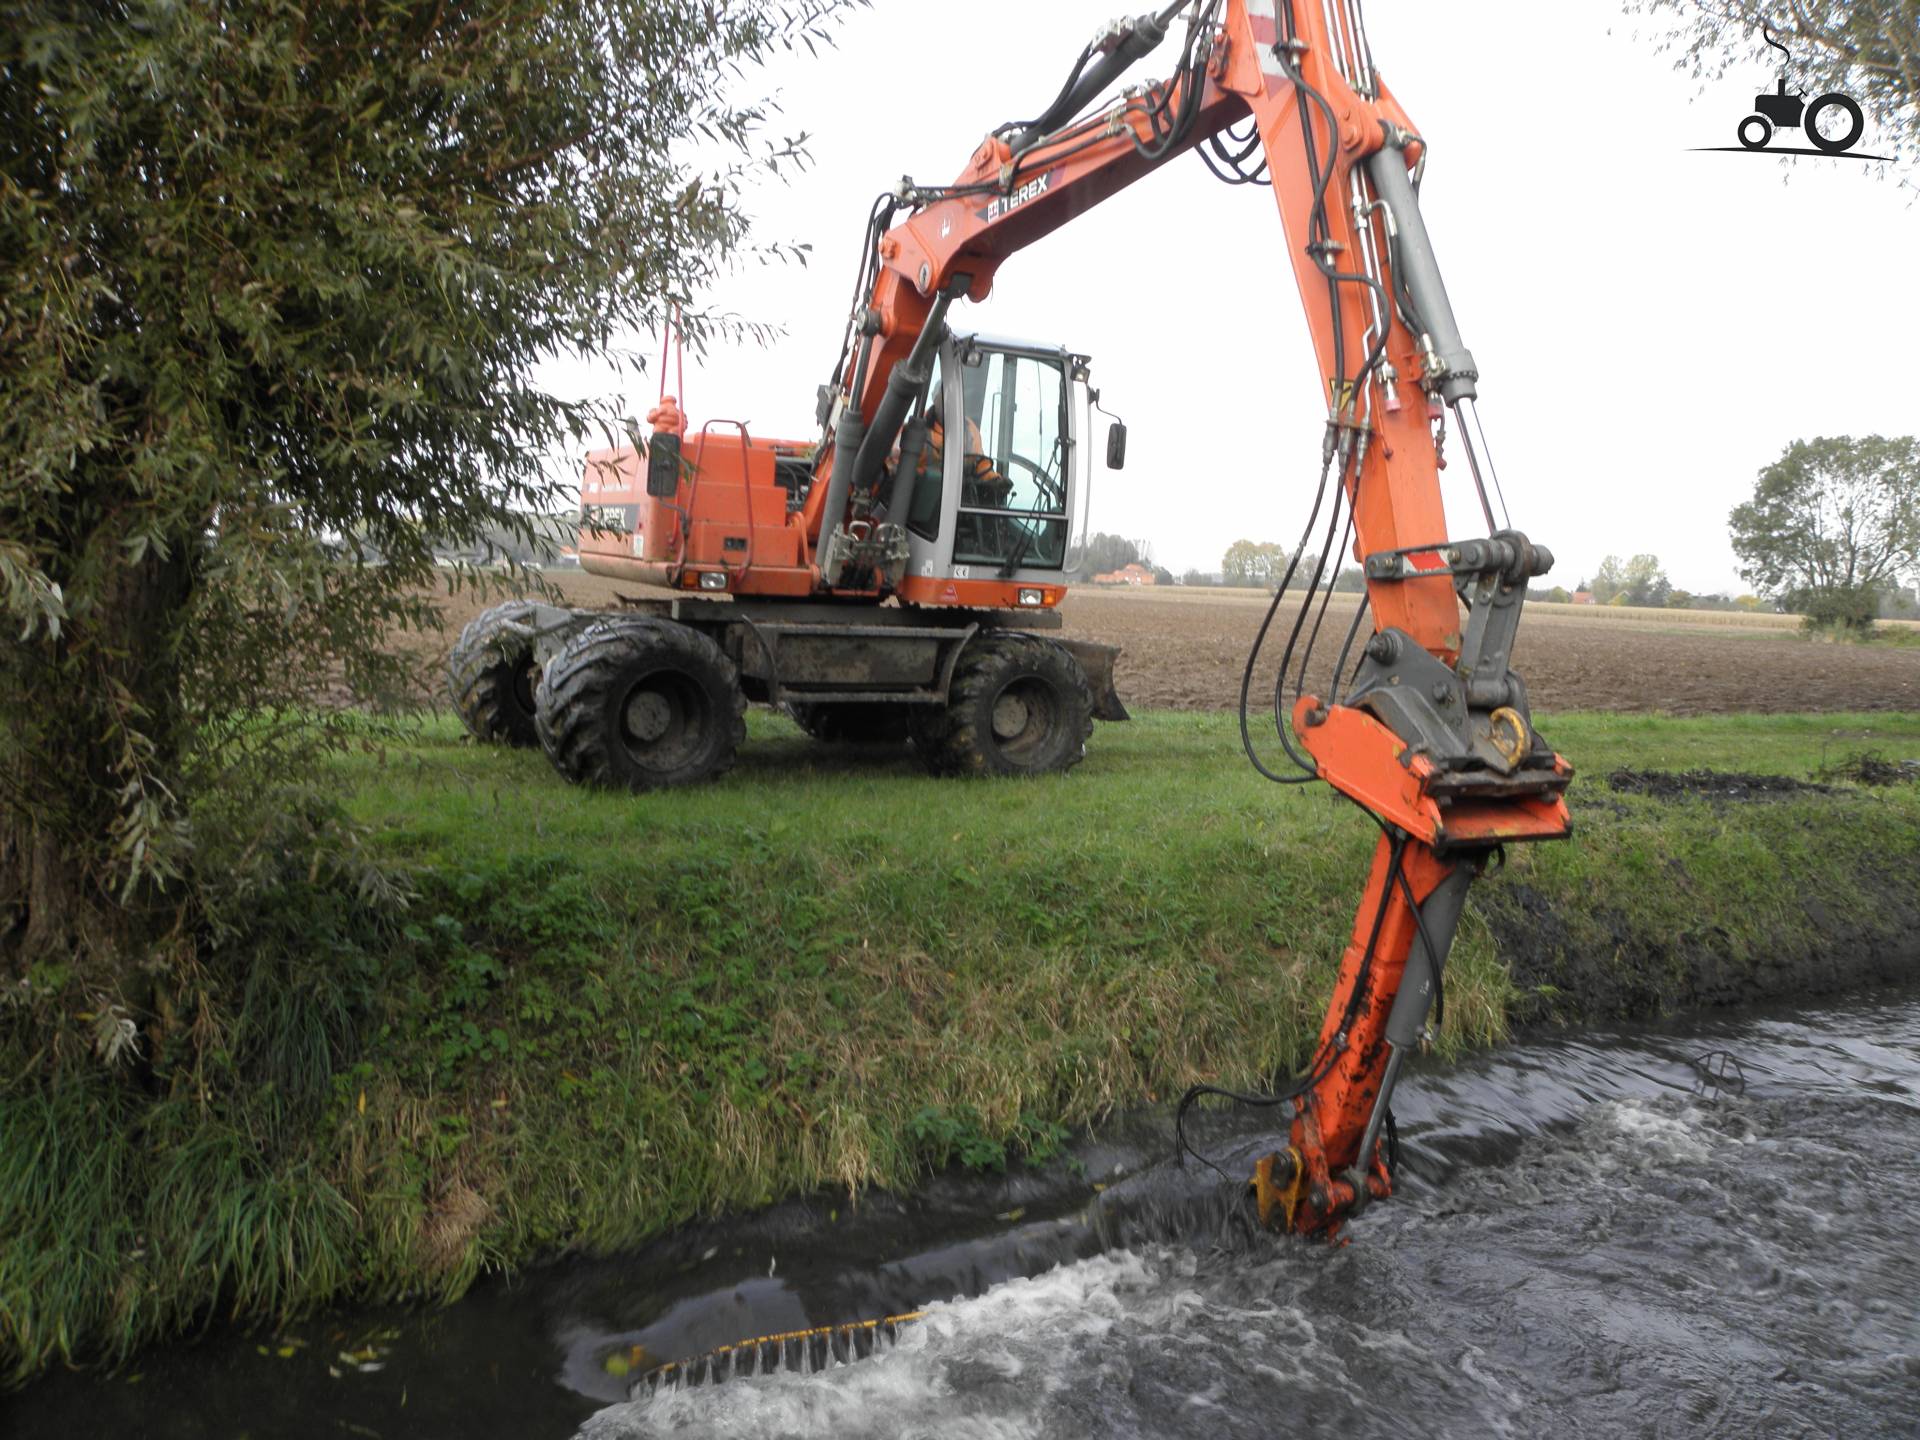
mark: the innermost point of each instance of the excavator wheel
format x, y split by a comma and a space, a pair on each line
856, 724
1018, 705
491, 676
640, 705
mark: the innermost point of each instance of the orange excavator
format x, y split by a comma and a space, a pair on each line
1431, 737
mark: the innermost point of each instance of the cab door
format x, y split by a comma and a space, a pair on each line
1010, 485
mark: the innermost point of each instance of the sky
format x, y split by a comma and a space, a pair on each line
1653, 325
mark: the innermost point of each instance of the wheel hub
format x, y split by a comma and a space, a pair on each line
649, 715
1010, 716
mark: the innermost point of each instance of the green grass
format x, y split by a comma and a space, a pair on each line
1795, 745
604, 1015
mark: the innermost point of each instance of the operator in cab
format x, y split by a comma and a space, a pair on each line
980, 484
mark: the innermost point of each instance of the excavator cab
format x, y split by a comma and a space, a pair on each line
1003, 483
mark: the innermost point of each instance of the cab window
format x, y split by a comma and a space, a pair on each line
1013, 489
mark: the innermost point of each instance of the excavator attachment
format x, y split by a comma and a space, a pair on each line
1432, 736
1444, 757
1389, 978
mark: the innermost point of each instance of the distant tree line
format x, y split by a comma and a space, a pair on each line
533, 540
1832, 532
1262, 563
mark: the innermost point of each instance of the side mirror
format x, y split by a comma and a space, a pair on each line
1117, 445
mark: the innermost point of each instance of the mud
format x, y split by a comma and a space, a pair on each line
1729, 785
1560, 980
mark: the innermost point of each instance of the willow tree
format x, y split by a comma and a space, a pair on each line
274, 281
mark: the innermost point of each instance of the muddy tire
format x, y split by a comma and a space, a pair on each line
491, 675
857, 724
1019, 705
640, 705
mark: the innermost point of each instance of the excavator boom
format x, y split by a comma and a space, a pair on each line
1433, 737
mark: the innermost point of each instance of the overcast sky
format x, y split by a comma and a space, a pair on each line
1652, 324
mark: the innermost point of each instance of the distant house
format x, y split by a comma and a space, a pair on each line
1583, 597
1133, 574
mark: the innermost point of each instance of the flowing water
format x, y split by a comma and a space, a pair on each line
1706, 1229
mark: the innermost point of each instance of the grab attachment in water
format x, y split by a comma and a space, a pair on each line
1339, 1123
1277, 1182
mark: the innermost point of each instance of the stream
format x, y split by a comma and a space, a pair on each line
1701, 1228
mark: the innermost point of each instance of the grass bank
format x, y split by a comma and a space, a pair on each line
603, 1015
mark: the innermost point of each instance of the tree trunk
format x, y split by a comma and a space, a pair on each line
104, 714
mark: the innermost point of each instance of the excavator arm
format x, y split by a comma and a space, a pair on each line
1432, 737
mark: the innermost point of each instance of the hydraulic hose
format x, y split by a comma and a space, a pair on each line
1147, 32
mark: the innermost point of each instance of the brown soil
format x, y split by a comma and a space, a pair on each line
1186, 650
1872, 768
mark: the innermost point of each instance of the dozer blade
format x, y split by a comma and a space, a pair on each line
1096, 660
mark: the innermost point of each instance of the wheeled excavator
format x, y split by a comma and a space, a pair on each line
1431, 736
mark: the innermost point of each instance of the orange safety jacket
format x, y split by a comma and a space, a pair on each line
981, 484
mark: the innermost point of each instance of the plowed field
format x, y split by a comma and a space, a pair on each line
1186, 650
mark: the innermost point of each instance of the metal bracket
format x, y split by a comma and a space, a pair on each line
1508, 554
1470, 718
767, 636
877, 555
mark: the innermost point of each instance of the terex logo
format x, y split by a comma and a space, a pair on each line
1003, 205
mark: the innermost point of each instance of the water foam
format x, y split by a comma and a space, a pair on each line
963, 1371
